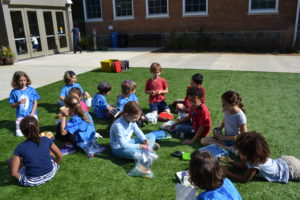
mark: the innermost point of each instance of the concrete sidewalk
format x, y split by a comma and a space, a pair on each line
48, 69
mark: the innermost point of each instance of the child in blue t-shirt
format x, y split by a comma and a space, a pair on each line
128, 88
99, 104
23, 98
70, 79
32, 163
79, 130
206, 174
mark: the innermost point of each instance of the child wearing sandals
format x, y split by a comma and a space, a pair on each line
32, 163
23, 98
254, 153
234, 122
206, 174
121, 143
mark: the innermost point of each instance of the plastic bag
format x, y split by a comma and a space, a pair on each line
143, 160
92, 148
152, 117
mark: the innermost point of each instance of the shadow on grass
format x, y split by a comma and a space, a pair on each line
124, 163
6, 178
9, 125
50, 107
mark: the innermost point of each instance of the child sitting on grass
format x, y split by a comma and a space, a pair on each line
75, 91
128, 88
196, 80
23, 98
206, 174
200, 116
100, 107
121, 143
32, 163
254, 154
128, 94
70, 79
79, 130
234, 122
157, 87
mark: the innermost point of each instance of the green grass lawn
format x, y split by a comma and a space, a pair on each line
271, 100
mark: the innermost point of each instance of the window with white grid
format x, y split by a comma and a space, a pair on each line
195, 7
123, 9
157, 8
93, 10
263, 6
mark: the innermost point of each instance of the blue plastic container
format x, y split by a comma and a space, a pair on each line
114, 39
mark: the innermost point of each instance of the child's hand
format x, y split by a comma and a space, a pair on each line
110, 108
153, 92
87, 95
22, 101
144, 146
218, 136
158, 92
147, 142
188, 142
64, 111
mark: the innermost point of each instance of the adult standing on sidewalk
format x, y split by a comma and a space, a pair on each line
76, 38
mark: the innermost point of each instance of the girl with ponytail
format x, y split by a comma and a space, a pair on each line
32, 163
79, 130
234, 122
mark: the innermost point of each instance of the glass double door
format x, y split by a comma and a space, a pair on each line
39, 32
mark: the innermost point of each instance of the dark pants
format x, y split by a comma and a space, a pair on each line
76, 45
68, 138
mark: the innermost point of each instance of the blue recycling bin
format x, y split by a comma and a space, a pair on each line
114, 39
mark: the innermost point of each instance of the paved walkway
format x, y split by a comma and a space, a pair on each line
48, 69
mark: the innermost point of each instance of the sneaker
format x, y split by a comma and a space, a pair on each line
156, 146
19, 133
67, 149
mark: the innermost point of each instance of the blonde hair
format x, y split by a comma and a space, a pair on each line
17, 76
73, 103
155, 67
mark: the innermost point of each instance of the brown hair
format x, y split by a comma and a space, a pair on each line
68, 76
233, 97
194, 91
73, 103
126, 87
253, 146
75, 90
205, 172
30, 128
132, 108
17, 76
155, 67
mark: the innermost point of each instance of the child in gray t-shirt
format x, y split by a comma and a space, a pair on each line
254, 154
234, 122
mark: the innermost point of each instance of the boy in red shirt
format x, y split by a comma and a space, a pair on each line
184, 106
198, 113
157, 87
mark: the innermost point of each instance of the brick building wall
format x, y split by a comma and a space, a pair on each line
226, 19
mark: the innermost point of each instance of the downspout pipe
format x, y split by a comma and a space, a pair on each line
296, 24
